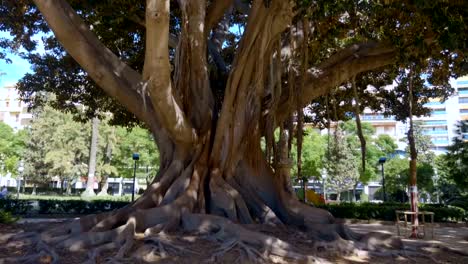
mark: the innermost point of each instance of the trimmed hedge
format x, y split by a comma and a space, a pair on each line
61, 207
386, 211
366, 211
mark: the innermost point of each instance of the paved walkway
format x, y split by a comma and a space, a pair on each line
453, 237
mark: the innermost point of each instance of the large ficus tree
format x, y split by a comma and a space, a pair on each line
209, 79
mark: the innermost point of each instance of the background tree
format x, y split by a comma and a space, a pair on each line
89, 191
457, 158
137, 140
107, 147
397, 178
342, 166
206, 98
12, 145
56, 147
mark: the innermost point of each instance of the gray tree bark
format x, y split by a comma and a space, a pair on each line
92, 159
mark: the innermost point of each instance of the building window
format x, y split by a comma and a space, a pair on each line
463, 90
7, 104
19, 103
463, 111
17, 117
463, 100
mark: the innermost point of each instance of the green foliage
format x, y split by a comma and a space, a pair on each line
78, 207
386, 211
6, 217
457, 158
431, 33
342, 166
364, 197
57, 146
313, 153
12, 145
16, 207
445, 184
136, 140
386, 145
397, 176
59, 207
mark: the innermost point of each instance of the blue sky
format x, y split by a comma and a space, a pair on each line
18, 68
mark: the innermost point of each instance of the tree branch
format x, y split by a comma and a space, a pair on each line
115, 77
157, 73
191, 68
215, 12
339, 68
343, 65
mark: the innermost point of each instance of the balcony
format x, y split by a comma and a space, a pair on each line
435, 132
377, 117
434, 104
435, 123
440, 141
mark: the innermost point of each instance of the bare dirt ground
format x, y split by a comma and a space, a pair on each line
200, 250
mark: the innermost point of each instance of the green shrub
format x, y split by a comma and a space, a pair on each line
17, 207
7, 217
78, 206
364, 198
72, 207
386, 211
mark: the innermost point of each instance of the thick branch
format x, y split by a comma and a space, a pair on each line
112, 75
343, 65
157, 72
191, 71
337, 69
215, 12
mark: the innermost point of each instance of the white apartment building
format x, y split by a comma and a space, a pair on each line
13, 111
441, 125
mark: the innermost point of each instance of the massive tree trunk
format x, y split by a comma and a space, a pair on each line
213, 174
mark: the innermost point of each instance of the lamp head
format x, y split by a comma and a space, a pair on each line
136, 156
382, 160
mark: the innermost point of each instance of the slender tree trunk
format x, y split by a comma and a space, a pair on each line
34, 189
24, 185
413, 161
69, 187
107, 161
92, 159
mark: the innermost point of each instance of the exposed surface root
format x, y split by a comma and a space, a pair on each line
41, 252
221, 229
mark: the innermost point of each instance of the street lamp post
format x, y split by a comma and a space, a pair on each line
324, 176
381, 162
135, 157
18, 185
